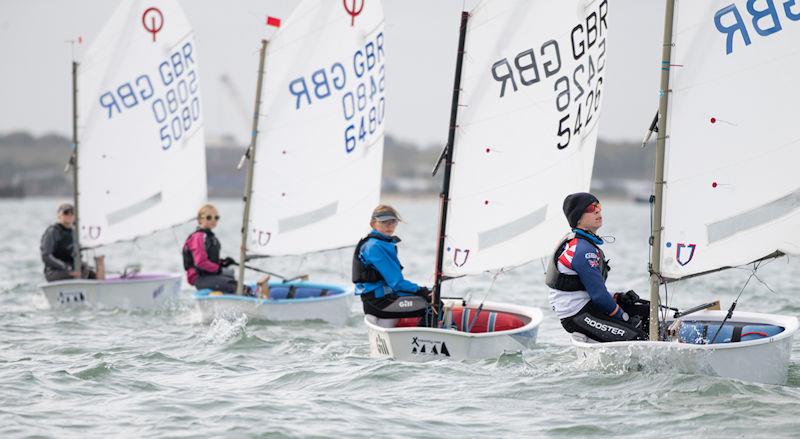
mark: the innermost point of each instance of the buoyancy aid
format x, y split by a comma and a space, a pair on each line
572, 282
65, 247
363, 273
212, 247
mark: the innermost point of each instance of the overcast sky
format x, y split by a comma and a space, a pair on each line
421, 38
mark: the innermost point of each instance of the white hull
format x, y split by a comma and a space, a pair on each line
142, 291
334, 310
764, 361
406, 344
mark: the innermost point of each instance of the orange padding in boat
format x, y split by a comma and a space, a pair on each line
487, 321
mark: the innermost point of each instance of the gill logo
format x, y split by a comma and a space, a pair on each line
684, 253
456, 255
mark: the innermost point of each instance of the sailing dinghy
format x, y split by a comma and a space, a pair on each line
523, 130
726, 191
314, 169
140, 164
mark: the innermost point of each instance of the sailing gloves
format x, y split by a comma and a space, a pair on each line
423, 292
227, 261
627, 298
635, 322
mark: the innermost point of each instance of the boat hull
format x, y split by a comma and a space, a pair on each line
418, 344
333, 309
142, 291
765, 360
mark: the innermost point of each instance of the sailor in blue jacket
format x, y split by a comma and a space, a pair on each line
577, 273
378, 275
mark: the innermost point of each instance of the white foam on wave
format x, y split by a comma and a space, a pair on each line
223, 330
38, 301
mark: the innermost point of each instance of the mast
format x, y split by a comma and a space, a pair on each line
444, 198
658, 179
76, 256
250, 155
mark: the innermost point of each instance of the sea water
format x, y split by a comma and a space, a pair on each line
83, 373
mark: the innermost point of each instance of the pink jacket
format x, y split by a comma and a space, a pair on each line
196, 246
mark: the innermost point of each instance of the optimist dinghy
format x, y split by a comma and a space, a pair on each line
286, 301
140, 165
314, 169
726, 189
515, 149
139, 291
750, 347
480, 332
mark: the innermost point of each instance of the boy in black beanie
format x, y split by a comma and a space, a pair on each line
575, 205
577, 273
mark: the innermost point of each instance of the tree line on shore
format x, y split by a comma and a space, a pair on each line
34, 166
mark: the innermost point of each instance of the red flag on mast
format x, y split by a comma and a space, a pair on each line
273, 21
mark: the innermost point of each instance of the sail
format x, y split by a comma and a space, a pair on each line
731, 195
318, 161
141, 156
532, 91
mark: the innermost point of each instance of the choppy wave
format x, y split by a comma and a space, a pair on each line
122, 374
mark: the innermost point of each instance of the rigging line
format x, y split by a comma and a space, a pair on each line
650, 240
663, 311
174, 235
480, 307
763, 263
341, 264
301, 262
465, 299
666, 301
733, 305
765, 284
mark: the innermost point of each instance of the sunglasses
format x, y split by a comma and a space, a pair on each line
68, 212
210, 217
389, 222
592, 208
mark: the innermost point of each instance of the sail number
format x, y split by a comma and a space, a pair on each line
586, 97
765, 19
173, 96
178, 110
577, 93
358, 85
364, 110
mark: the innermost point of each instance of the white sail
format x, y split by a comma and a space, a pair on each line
732, 194
320, 147
141, 157
532, 91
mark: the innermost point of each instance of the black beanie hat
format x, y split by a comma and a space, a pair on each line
575, 204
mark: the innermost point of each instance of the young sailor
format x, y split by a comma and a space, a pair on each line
57, 248
576, 275
201, 256
378, 275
